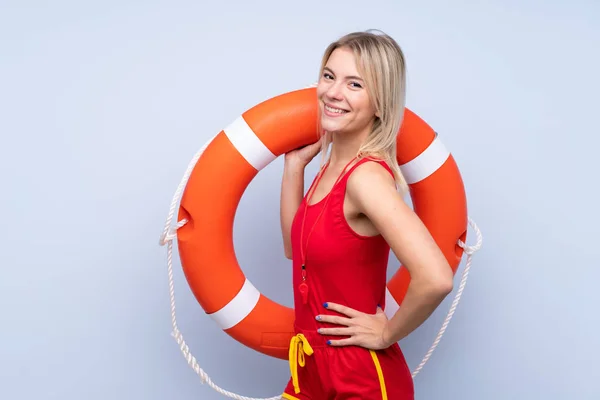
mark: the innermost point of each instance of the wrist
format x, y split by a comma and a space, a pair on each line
387, 336
294, 166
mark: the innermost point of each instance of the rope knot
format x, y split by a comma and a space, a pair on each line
470, 250
170, 234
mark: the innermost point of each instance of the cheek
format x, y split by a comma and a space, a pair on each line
357, 98
363, 104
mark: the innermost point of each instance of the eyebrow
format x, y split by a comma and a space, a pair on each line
348, 77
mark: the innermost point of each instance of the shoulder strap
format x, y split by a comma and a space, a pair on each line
364, 160
340, 188
339, 191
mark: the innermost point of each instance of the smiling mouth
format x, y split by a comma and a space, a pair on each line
335, 110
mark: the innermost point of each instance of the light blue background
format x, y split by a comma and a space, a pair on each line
103, 104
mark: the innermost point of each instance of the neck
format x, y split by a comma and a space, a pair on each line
344, 148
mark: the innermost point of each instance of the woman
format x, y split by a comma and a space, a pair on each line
340, 234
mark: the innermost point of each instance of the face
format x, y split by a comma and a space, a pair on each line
344, 103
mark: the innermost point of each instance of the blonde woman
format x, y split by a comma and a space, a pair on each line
340, 233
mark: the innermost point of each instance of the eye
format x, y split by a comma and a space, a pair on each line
356, 85
327, 75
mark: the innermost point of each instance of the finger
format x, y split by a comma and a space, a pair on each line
342, 342
343, 309
335, 331
333, 319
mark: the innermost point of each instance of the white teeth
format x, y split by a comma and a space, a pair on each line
335, 110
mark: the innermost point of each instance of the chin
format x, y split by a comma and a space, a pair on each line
331, 127
333, 124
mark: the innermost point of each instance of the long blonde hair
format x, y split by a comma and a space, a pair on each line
380, 61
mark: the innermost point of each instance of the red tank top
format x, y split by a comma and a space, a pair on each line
341, 266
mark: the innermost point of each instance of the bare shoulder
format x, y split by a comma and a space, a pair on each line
372, 186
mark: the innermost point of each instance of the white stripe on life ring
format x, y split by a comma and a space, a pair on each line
426, 163
238, 308
248, 144
391, 305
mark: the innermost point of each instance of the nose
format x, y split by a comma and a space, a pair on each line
334, 91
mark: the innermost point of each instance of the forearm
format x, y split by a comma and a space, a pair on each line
292, 192
419, 303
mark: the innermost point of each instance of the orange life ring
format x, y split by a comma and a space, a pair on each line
235, 156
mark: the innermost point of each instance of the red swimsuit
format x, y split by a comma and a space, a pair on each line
343, 267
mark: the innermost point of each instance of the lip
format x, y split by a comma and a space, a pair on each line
333, 114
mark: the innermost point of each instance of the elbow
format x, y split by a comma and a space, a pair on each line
438, 287
287, 248
443, 284
433, 280
443, 287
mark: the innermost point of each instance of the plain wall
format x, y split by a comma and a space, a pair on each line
103, 104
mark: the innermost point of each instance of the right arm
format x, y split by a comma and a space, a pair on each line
292, 189
292, 192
